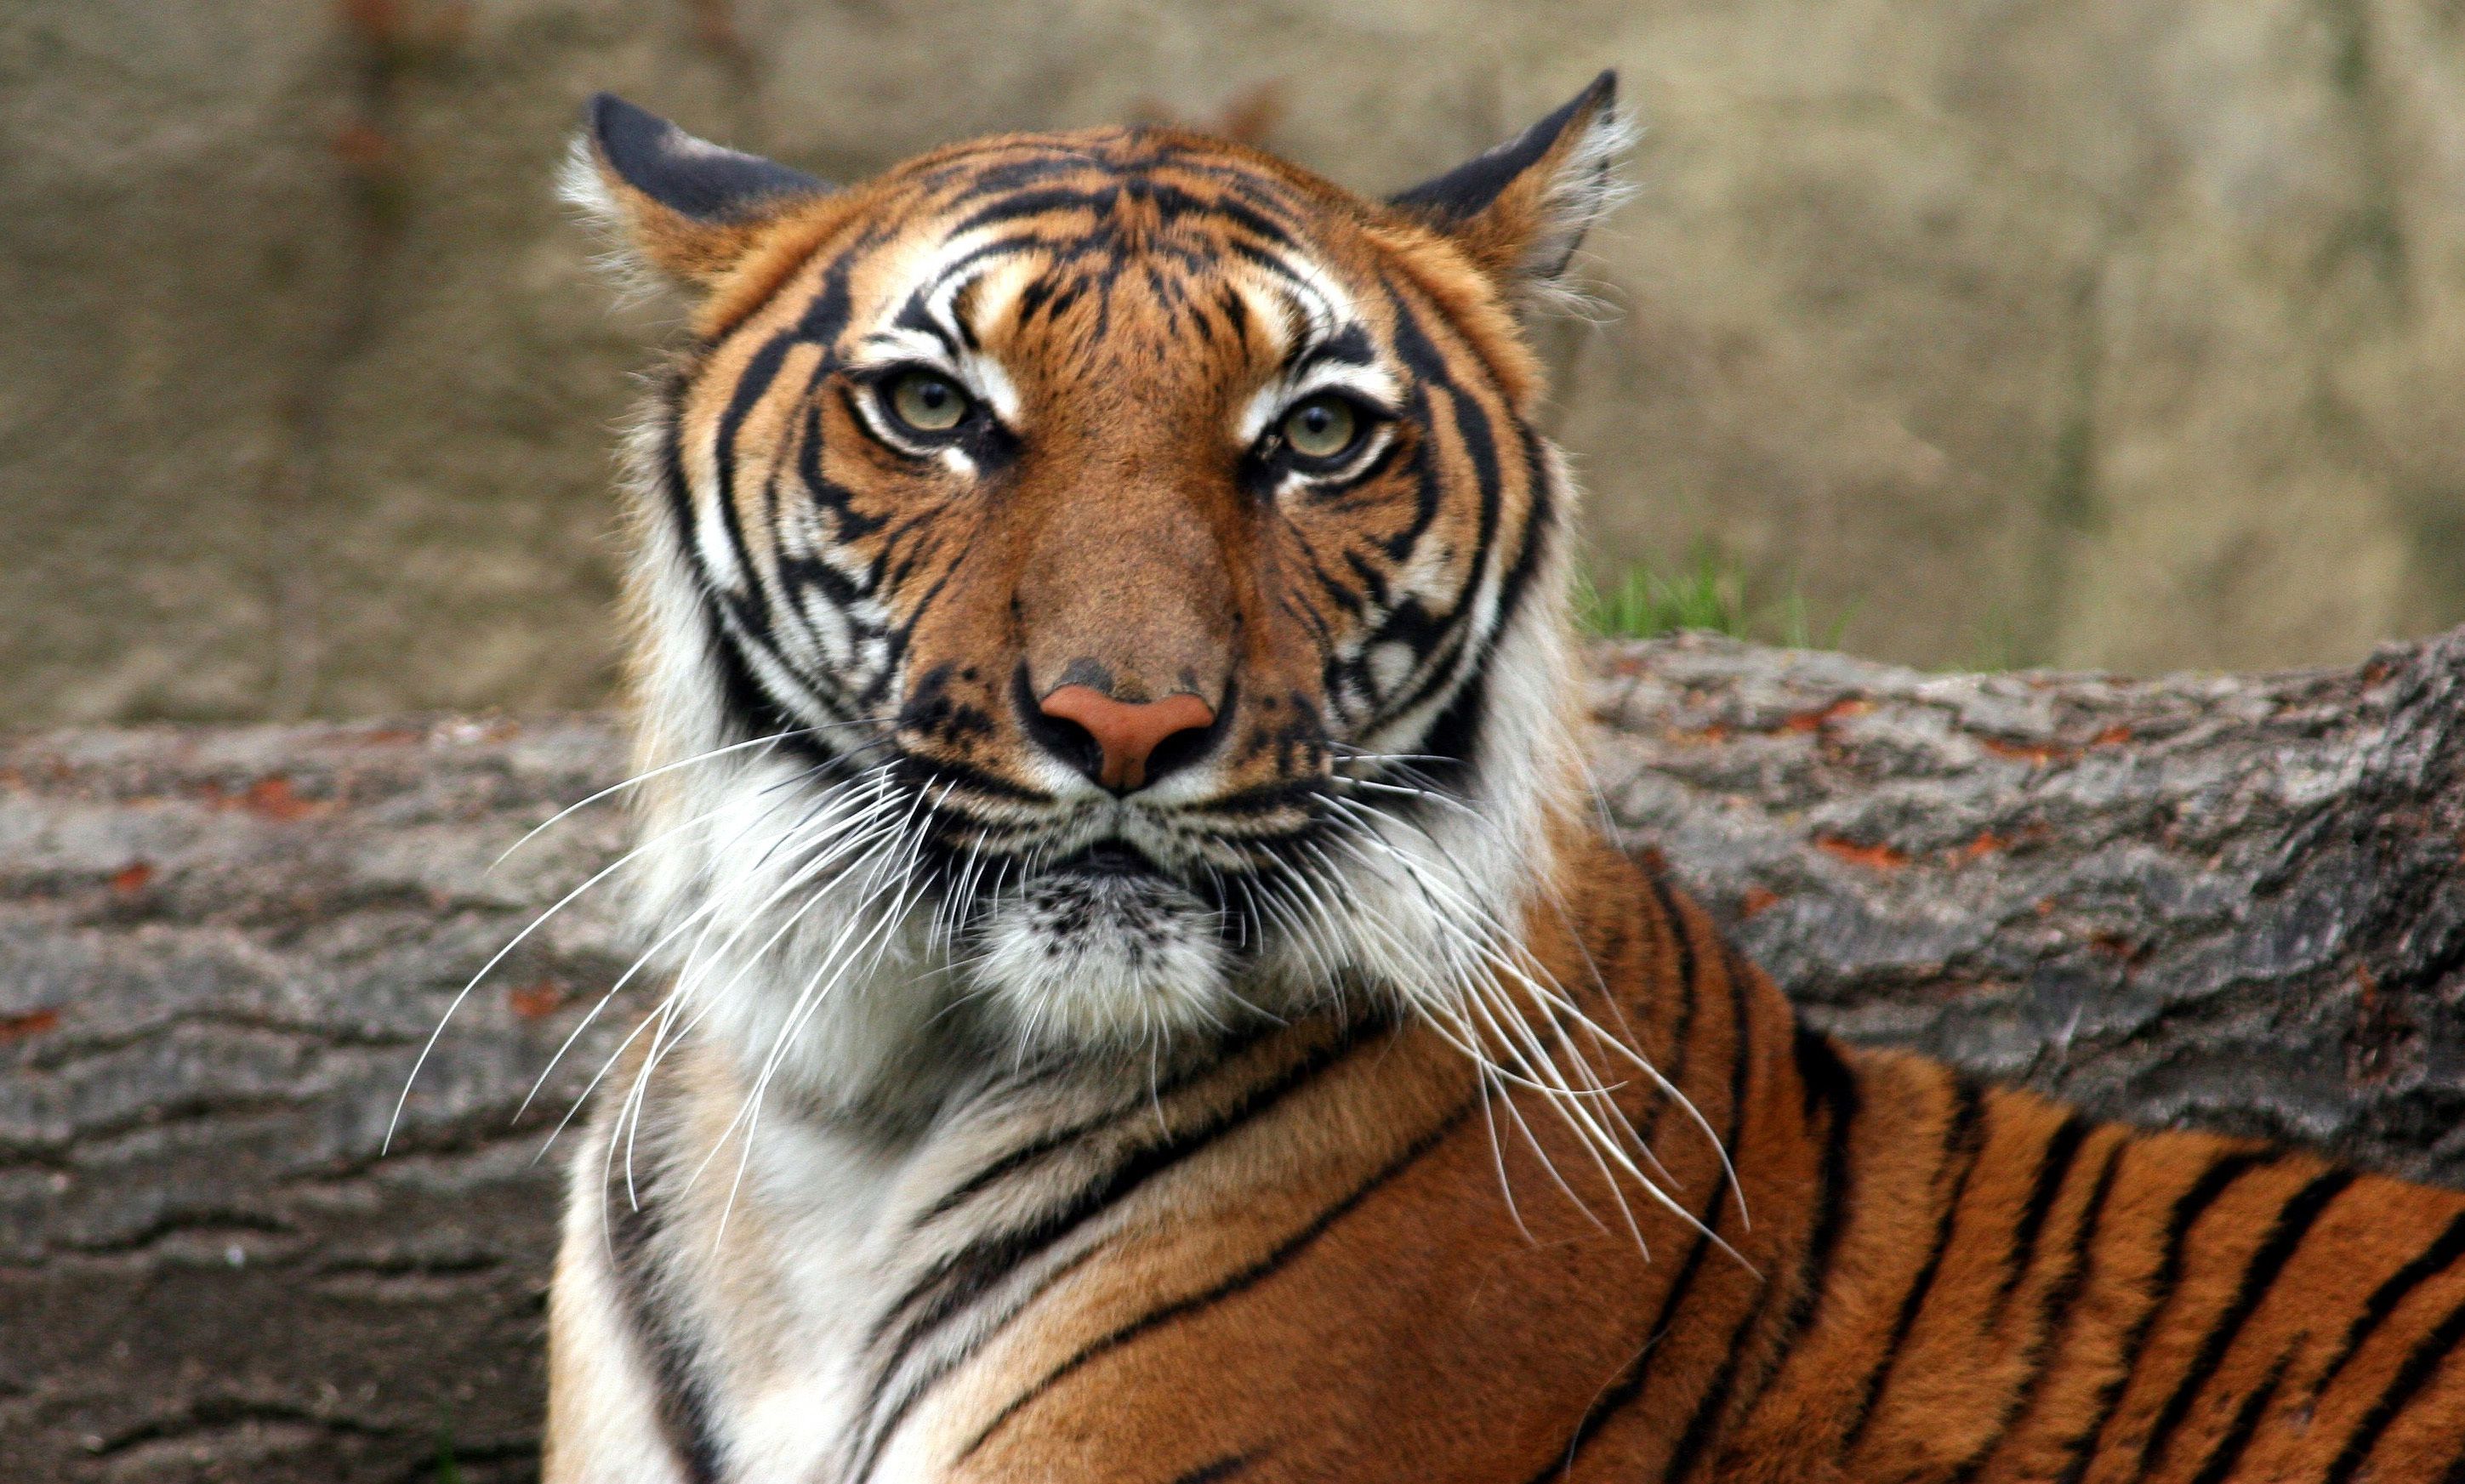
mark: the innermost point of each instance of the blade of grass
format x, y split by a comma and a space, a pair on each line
1708, 591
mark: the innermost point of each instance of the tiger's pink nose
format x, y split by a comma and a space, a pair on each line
1120, 743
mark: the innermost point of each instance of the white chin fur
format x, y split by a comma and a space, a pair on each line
1078, 960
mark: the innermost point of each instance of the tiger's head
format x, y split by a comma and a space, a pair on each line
1094, 587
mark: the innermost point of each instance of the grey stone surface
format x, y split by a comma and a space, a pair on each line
2127, 335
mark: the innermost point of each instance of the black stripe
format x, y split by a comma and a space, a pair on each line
1263, 799
1629, 1382
1678, 929
2187, 1209
2228, 1451
1034, 1149
672, 471
749, 702
1366, 586
1480, 443
2429, 1263
1173, 203
1245, 1278
822, 322
1022, 164
1220, 1469
683, 1407
2294, 1221
1479, 436
1622, 1393
1541, 501
1017, 246
1442, 650
2421, 1364
2054, 1313
1713, 1403
746, 695
1830, 1085
1097, 201
1432, 373
1964, 1133
1681, 1031
848, 524
964, 1275
922, 773
1822, 1077
968, 1274
1450, 735
2053, 1167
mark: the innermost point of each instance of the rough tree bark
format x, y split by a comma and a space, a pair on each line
2230, 901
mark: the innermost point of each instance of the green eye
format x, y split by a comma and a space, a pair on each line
926, 401
1321, 428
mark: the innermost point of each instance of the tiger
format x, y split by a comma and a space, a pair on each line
1146, 994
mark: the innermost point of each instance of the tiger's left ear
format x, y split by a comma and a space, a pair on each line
687, 207
1520, 209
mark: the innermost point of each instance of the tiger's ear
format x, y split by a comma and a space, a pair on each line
1520, 209
686, 207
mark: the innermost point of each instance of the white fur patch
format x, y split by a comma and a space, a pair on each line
584, 190
1078, 960
1585, 189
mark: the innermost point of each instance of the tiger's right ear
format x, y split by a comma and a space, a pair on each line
686, 207
1520, 209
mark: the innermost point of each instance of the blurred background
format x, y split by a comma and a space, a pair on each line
1965, 333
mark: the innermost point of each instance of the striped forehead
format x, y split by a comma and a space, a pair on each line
995, 261
1291, 305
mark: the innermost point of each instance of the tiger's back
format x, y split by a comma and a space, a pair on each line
1147, 1003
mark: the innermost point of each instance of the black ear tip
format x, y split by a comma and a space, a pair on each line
1598, 98
681, 173
610, 118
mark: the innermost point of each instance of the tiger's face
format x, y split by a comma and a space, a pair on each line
1112, 574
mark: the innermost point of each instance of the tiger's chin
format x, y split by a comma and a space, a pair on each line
1100, 956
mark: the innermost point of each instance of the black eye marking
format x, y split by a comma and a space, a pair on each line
920, 411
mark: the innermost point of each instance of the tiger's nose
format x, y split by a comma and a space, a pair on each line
1123, 745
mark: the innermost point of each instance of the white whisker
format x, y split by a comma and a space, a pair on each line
639, 779
638, 853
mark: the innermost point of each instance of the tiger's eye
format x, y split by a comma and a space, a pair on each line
928, 401
1321, 428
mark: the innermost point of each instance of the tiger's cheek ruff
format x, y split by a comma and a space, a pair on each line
1424, 899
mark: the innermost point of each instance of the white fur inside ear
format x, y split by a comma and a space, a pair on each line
582, 186
1585, 187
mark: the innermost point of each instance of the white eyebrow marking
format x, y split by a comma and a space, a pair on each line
1304, 313
1004, 277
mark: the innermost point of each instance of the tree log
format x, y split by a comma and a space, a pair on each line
2233, 902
